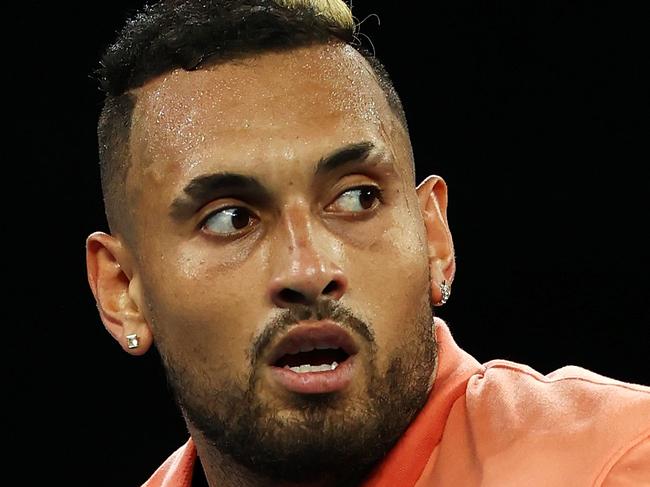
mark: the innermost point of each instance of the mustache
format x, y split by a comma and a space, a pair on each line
322, 309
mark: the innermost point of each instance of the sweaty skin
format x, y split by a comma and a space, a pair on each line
206, 290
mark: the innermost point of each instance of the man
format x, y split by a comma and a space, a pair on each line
268, 236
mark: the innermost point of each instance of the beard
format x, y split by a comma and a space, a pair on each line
324, 436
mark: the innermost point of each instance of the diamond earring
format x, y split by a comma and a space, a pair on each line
445, 291
132, 341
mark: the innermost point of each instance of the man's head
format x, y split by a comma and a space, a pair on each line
264, 190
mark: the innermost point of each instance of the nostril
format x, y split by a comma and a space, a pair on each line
332, 286
305, 290
291, 296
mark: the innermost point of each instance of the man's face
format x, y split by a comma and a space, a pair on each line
225, 272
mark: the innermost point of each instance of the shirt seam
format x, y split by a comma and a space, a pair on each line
546, 380
618, 454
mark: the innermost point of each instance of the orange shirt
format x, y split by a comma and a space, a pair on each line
503, 424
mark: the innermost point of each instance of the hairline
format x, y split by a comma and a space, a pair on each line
131, 95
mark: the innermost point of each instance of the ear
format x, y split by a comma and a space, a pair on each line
117, 292
432, 195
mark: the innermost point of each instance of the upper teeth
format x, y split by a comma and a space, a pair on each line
313, 368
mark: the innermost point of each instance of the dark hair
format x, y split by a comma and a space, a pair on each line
185, 34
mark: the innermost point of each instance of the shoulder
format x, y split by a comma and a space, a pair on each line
571, 415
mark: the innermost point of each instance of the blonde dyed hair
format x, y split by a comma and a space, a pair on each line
336, 12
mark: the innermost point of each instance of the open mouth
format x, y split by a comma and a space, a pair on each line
314, 358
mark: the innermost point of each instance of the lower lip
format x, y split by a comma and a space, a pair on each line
316, 382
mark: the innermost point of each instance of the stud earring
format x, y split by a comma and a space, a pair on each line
132, 341
445, 291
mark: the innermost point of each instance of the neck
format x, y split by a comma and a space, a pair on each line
222, 471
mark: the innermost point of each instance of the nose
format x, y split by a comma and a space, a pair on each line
310, 273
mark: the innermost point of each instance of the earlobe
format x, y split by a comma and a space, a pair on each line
432, 195
112, 285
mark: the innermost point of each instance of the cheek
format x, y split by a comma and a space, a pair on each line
397, 254
390, 282
201, 311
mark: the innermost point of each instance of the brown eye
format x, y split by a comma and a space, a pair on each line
360, 198
227, 221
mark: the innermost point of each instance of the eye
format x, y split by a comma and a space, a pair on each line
227, 221
360, 198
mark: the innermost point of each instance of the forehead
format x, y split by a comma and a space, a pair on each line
276, 105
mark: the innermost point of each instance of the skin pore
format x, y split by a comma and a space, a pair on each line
222, 267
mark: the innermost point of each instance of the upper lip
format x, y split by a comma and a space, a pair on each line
310, 334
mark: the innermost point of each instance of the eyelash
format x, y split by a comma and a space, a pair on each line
378, 193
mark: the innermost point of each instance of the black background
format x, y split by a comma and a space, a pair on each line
535, 113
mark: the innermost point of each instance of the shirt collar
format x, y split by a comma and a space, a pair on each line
405, 462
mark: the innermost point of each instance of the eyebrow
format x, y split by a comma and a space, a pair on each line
204, 188
349, 153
